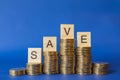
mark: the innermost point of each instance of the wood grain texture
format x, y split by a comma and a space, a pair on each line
67, 31
49, 43
34, 55
84, 39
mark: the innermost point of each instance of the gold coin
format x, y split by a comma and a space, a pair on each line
17, 71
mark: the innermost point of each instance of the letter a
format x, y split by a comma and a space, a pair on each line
49, 43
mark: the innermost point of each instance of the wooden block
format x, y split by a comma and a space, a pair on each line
34, 55
84, 39
67, 31
49, 43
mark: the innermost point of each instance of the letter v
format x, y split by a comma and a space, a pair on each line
67, 32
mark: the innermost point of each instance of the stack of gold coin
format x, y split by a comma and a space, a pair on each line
83, 60
50, 62
67, 58
100, 68
17, 71
34, 68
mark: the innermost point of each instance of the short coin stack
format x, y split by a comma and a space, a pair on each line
100, 68
17, 71
83, 60
50, 62
34, 68
67, 58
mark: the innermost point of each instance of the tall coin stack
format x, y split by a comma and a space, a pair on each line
50, 55
100, 68
34, 68
67, 58
83, 60
83, 53
50, 62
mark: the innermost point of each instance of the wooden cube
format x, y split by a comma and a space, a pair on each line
49, 43
67, 31
34, 55
84, 39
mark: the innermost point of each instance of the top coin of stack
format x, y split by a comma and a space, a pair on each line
100, 68
83, 60
50, 62
34, 68
67, 59
17, 71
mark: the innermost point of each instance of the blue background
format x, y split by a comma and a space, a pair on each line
23, 23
